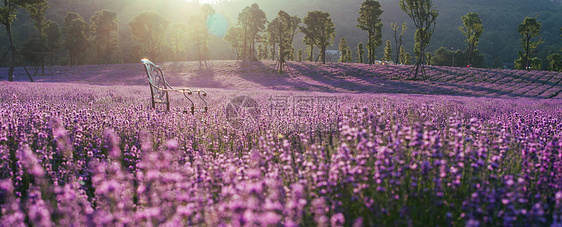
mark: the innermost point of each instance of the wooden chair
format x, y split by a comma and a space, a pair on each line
159, 88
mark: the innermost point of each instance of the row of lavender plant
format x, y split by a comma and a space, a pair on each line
445, 80
102, 156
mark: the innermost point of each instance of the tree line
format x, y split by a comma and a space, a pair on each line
319, 31
96, 40
255, 38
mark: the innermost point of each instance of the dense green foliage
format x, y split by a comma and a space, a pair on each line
555, 62
499, 43
75, 32
319, 28
387, 51
343, 49
398, 38
198, 32
472, 29
299, 55
7, 16
369, 20
149, 29
424, 15
252, 20
179, 41
273, 36
37, 48
284, 33
360, 53
104, 26
405, 57
234, 37
530, 31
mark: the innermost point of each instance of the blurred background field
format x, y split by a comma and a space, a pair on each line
331, 78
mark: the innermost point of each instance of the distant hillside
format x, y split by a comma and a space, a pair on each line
499, 43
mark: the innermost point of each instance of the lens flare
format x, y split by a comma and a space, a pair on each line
217, 25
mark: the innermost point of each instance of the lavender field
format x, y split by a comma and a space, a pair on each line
334, 145
332, 78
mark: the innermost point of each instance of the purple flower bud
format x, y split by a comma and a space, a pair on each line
269, 219
358, 222
172, 145
254, 173
337, 219
255, 188
7, 185
112, 141
297, 190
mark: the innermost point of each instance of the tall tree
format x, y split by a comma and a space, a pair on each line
75, 32
262, 52
529, 29
286, 30
343, 49
348, 55
199, 33
405, 57
7, 16
104, 26
428, 58
39, 49
235, 37
33, 49
283, 26
282, 31
442, 57
387, 52
253, 20
554, 62
398, 39
369, 20
257, 25
244, 18
299, 55
310, 47
273, 36
424, 16
292, 32
320, 30
53, 33
472, 30
179, 40
360, 53
37, 15
149, 28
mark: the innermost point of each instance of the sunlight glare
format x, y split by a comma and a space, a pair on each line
217, 24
